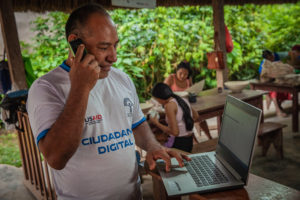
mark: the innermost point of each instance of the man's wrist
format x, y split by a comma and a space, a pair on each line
79, 89
154, 146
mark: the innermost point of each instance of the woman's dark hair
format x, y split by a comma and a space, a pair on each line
185, 65
163, 91
266, 54
79, 16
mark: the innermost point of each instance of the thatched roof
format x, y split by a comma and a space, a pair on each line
67, 5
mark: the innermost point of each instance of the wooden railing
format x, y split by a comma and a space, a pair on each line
36, 171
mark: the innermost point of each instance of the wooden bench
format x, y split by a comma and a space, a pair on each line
271, 132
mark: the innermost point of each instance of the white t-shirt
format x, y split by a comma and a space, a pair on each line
104, 165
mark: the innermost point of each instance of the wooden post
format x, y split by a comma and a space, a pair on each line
219, 38
12, 45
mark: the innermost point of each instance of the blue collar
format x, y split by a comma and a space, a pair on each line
65, 66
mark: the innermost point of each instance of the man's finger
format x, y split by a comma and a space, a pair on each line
72, 60
185, 157
151, 163
79, 53
88, 59
177, 156
165, 156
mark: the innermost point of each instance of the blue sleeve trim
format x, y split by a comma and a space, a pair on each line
260, 66
41, 135
138, 123
65, 66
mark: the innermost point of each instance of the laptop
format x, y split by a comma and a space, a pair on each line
227, 167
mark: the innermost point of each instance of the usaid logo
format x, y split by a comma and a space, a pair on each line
128, 106
93, 119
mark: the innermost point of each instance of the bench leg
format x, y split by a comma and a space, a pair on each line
266, 142
277, 142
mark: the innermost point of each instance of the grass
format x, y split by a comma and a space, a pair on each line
9, 150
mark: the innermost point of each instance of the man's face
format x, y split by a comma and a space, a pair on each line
100, 38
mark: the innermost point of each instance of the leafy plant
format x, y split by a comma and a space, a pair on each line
50, 47
154, 41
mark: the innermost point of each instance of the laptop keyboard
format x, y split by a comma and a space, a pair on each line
204, 171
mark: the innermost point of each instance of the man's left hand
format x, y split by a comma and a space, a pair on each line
165, 154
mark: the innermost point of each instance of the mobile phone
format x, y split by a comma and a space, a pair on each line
74, 44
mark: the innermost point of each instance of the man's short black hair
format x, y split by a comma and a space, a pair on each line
80, 15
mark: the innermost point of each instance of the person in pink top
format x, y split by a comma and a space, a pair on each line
181, 81
179, 116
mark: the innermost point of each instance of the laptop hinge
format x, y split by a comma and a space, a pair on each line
228, 167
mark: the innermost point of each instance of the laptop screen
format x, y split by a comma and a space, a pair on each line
240, 123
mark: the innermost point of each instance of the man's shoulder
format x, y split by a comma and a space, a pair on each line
55, 74
51, 78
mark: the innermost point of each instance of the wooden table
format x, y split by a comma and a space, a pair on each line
257, 188
294, 90
211, 103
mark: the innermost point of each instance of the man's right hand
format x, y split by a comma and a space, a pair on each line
84, 73
64, 136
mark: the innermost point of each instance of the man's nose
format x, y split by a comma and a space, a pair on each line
112, 56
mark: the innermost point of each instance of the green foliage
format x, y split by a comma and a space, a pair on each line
283, 26
243, 23
9, 150
154, 41
50, 47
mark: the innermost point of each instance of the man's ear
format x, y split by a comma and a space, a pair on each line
72, 37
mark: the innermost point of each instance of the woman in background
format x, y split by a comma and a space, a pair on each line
181, 81
179, 116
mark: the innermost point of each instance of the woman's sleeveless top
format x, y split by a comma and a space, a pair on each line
180, 120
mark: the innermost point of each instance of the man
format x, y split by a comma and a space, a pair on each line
86, 118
